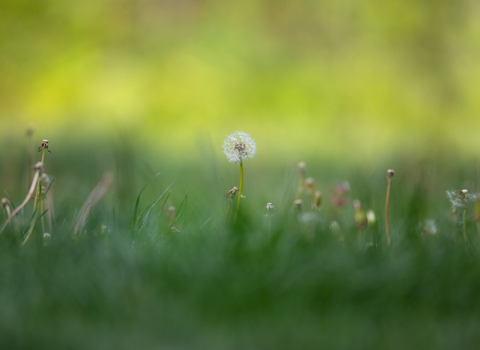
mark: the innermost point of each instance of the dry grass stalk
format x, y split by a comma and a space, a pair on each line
92, 199
38, 168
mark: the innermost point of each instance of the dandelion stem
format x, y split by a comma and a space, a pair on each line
239, 191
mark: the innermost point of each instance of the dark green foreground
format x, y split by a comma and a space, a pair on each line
238, 289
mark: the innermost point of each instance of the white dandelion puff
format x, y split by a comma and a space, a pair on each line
239, 146
458, 197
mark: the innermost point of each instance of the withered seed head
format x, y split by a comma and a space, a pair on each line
43, 146
297, 203
231, 194
390, 173
302, 168
5, 202
38, 166
270, 208
309, 183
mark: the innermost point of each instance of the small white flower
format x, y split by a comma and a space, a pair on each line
371, 217
239, 146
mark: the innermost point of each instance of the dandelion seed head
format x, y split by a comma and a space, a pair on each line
239, 146
458, 197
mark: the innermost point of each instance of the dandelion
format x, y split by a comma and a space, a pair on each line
459, 199
238, 147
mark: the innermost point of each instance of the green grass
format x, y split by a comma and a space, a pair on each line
217, 285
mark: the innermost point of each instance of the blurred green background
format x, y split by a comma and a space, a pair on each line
349, 80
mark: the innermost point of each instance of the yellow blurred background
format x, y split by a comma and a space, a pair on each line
341, 79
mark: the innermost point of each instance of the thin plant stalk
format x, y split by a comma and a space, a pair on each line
228, 210
230, 195
37, 195
390, 174
27, 198
464, 220
41, 211
239, 192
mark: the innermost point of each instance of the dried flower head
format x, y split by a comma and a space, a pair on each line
340, 195
302, 168
309, 183
5, 202
239, 146
390, 173
38, 166
43, 146
270, 208
297, 203
231, 194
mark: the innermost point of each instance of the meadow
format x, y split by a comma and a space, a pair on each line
132, 238
149, 260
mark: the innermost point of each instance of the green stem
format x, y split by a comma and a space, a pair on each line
239, 191
464, 221
41, 212
300, 186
